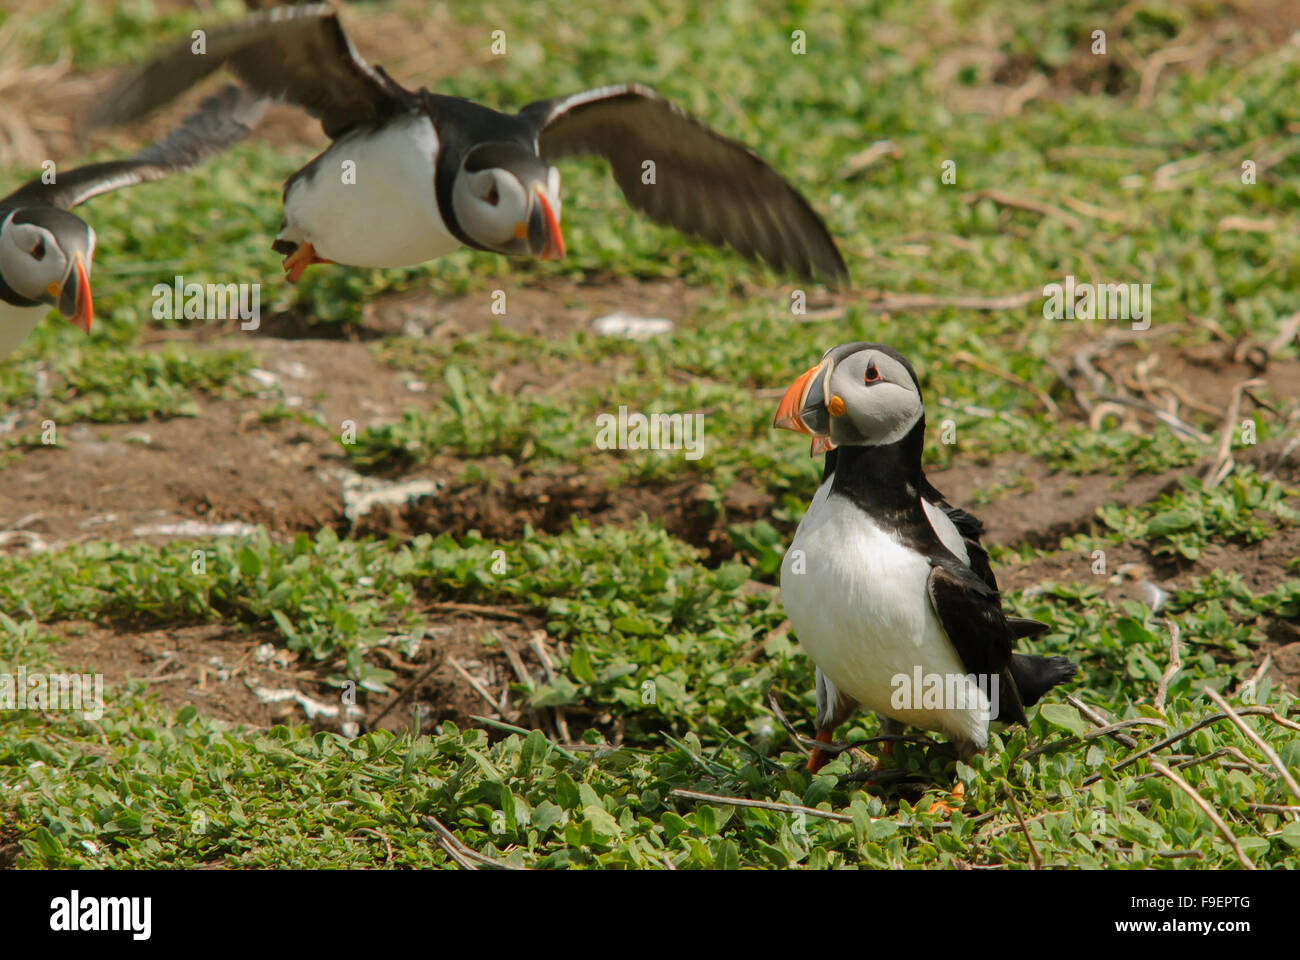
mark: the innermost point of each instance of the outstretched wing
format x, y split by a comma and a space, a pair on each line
220, 121
299, 54
704, 183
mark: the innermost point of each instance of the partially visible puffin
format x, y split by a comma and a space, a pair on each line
412, 175
884, 581
46, 253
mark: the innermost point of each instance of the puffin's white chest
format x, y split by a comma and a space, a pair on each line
16, 323
370, 200
857, 599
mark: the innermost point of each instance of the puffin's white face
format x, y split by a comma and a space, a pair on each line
859, 395
871, 400
507, 213
31, 260
45, 255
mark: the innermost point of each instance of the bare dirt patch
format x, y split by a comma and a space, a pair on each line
111, 480
9, 846
211, 666
1042, 506
245, 677
119, 481
550, 307
1133, 573
1007, 77
1284, 655
517, 499
464, 643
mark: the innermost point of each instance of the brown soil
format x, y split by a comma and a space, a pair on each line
226, 465
221, 670
105, 481
1041, 506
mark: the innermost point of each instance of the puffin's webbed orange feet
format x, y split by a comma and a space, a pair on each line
957, 796
300, 260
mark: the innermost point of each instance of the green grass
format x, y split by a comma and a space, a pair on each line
635, 607
149, 785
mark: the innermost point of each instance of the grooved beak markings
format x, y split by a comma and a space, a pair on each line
787, 412
550, 226
75, 302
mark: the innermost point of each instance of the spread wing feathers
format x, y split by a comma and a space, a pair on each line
221, 120
704, 183
971, 613
299, 54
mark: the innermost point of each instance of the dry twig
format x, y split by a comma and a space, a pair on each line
1015, 807
477, 608
1175, 664
1257, 740
538, 642
962, 356
1208, 810
762, 805
1004, 199
475, 684
466, 856
1097, 719
1223, 462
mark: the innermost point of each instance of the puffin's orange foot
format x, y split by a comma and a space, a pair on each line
957, 796
300, 260
819, 757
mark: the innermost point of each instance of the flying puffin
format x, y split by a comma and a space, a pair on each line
885, 582
46, 252
412, 175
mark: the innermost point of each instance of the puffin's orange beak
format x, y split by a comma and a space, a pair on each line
796, 402
544, 227
803, 408
75, 302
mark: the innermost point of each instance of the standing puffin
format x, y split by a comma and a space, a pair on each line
46, 252
412, 175
884, 581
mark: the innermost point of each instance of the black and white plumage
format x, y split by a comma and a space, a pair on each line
433, 172
46, 253
884, 579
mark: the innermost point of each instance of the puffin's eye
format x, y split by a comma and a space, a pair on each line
38, 251
493, 197
872, 373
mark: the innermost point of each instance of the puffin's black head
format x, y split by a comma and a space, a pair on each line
45, 256
861, 394
507, 199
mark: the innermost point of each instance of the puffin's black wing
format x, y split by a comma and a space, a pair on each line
970, 528
299, 54
221, 120
971, 614
704, 183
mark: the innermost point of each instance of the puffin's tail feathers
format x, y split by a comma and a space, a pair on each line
1034, 676
1022, 627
